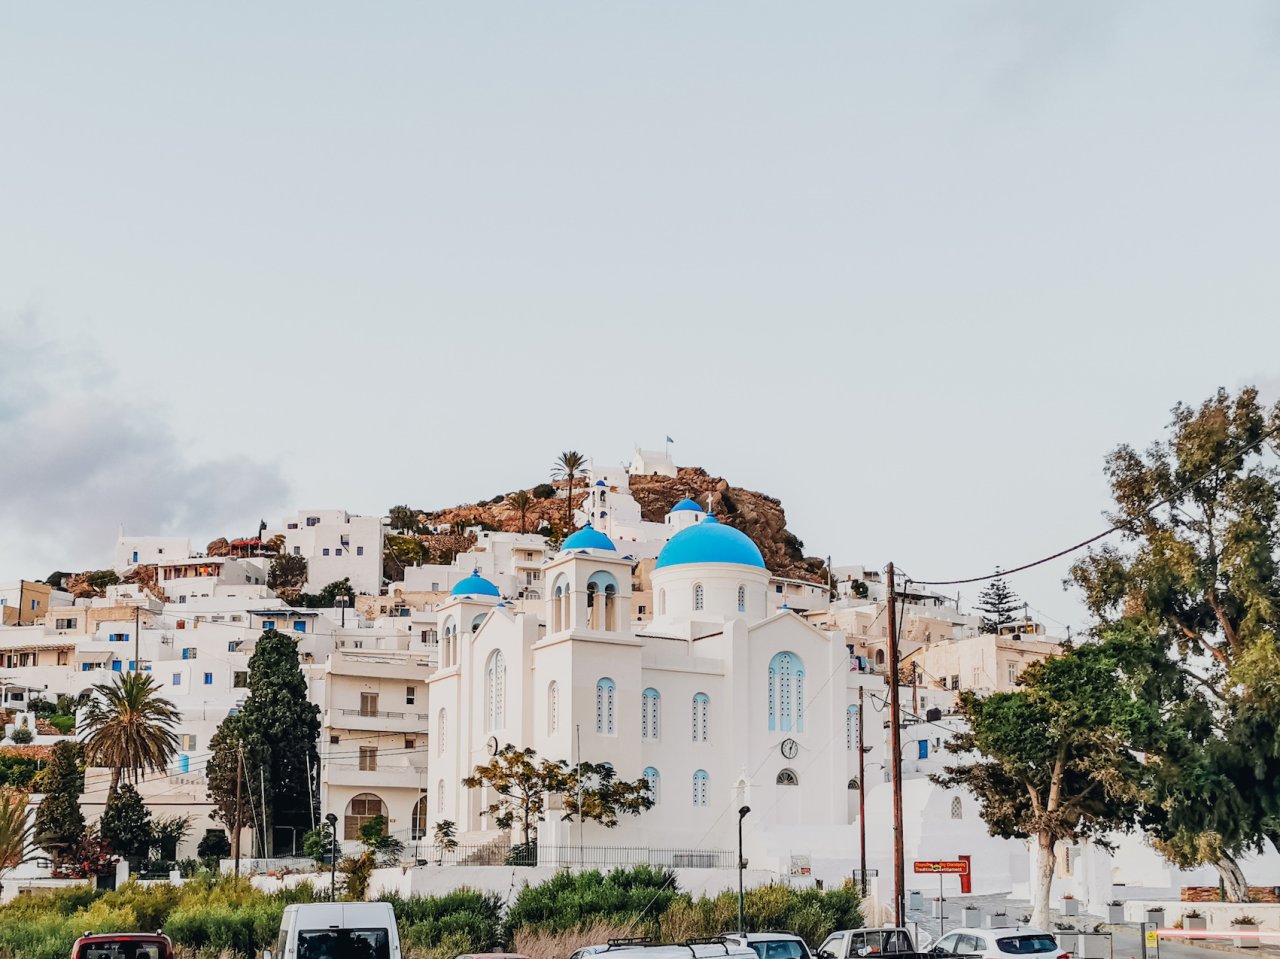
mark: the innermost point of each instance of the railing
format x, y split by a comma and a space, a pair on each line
593, 857
381, 714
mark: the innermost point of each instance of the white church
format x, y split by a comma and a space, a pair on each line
716, 701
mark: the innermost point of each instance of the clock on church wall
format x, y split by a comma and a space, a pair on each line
790, 748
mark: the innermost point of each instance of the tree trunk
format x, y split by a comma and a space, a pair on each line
1232, 878
1042, 882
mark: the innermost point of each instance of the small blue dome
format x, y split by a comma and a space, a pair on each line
686, 504
599, 482
475, 585
710, 542
589, 538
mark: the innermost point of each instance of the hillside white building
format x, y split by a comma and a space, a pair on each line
336, 545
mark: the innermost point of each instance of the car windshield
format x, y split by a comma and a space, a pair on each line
343, 944
780, 949
121, 949
1026, 945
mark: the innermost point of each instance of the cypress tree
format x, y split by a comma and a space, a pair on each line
59, 821
280, 728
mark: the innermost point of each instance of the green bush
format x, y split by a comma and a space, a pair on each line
63, 724
568, 900
465, 914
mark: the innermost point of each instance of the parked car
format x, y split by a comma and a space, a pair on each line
337, 930
1017, 941
492, 955
123, 945
852, 943
716, 947
771, 945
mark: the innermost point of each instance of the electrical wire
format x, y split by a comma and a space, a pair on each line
1115, 527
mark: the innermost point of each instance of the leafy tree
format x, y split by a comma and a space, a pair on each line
522, 502
317, 843
544, 491
126, 824
445, 838
386, 848
1198, 516
521, 782
213, 846
100, 579
341, 587
56, 578
220, 776
287, 572
1054, 758
130, 728
569, 466
17, 843
1000, 604
167, 834
400, 552
279, 726
604, 797
18, 771
404, 519
59, 823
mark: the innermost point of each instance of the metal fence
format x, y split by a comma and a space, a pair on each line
592, 857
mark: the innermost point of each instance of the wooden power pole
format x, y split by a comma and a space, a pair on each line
235, 833
862, 794
895, 718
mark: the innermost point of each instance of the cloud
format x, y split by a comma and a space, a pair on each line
79, 459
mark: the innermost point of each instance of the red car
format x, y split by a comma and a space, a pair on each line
123, 945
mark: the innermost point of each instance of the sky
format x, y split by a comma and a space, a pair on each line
911, 268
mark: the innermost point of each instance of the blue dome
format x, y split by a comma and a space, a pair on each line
475, 585
685, 505
589, 538
710, 542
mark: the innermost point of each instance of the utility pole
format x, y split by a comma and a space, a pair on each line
235, 838
862, 795
895, 717
137, 628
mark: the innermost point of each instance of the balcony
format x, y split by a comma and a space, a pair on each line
376, 720
388, 775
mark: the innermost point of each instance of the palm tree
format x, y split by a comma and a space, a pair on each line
130, 728
521, 502
568, 467
17, 832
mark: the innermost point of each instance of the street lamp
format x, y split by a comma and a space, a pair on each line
742, 814
332, 820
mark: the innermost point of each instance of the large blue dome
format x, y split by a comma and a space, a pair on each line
710, 542
475, 585
686, 504
589, 538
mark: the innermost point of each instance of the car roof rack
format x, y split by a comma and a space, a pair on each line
706, 941
630, 941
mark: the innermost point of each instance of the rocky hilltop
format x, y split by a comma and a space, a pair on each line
758, 515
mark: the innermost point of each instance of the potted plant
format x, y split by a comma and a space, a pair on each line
1156, 916
1068, 937
998, 920
972, 917
1245, 924
1070, 905
1115, 911
1194, 919
1094, 944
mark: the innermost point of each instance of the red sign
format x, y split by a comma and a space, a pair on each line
944, 867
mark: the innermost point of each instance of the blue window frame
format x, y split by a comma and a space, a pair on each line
786, 693
299, 625
208, 679
924, 748
177, 679
700, 780
268, 624
184, 764
117, 666
359, 550
135, 556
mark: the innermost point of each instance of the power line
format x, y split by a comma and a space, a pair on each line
1115, 527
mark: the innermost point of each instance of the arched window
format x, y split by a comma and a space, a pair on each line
418, 822
449, 647
700, 788
742, 599
440, 732
853, 783
602, 601
606, 690
851, 726
360, 810
440, 798
662, 602
650, 710
478, 621
654, 780
786, 693
495, 692
879, 657
699, 596
553, 707
957, 811
788, 777
532, 594
560, 605
701, 717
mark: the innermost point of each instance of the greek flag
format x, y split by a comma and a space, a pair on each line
670, 440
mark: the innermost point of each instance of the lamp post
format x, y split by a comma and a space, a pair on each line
742, 814
332, 820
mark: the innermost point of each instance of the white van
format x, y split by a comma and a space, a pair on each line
337, 930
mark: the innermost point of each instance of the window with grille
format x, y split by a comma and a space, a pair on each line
700, 787
496, 691
654, 780
606, 692
650, 705
786, 693
788, 777
699, 596
361, 810
701, 717
553, 707
742, 599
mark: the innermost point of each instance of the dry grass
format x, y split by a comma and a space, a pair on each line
560, 945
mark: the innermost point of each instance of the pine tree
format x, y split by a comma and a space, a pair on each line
126, 824
279, 727
999, 603
59, 821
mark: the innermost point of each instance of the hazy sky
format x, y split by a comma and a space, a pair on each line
912, 268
